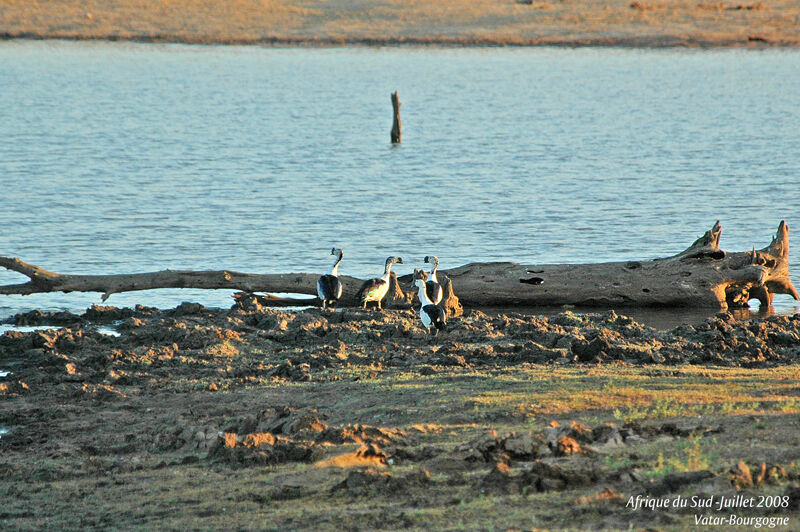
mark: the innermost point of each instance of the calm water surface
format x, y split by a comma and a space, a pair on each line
130, 158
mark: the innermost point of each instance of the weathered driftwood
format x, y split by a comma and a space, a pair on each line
397, 133
701, 276
42, 280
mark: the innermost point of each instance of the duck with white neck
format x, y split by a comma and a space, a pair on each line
375, 289
434, 289
433, 317
329, 287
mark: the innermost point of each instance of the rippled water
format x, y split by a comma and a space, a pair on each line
129, 158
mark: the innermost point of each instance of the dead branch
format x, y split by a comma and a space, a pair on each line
703, 275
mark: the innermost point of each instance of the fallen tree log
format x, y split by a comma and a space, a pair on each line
701, 276
42, 280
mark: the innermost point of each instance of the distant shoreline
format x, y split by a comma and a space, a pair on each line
656, 42
456, 23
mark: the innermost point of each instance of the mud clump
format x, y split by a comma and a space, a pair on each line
362, 434
366, 455
566, 445
250, 450
577, 438
522, 446
793, 492
743, 477
605, 345
187, 335
13, 387
283, 434
188, 309
38, 317
544, 476
96, 314
563, 440
101, 314
52, 340
605, 496
249, 302
372, 481
499, 481
304, 424
293, 371
490, 448
100, 393
541, 476
282, 420
678, 481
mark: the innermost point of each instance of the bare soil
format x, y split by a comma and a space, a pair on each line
651, 23
252, 418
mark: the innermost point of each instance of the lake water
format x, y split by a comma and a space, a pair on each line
120, 158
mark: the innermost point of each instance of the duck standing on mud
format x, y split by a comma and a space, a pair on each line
329, 287
434, 289
375, 289
432, 316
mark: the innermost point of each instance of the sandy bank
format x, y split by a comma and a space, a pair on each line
645, 23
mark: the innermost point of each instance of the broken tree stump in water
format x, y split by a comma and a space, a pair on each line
397, 133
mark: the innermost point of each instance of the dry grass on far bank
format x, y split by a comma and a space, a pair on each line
571, 22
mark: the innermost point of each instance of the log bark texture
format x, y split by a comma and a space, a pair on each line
701, 276
42, 280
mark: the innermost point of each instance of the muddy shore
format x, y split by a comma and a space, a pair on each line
667, 23
253, 418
